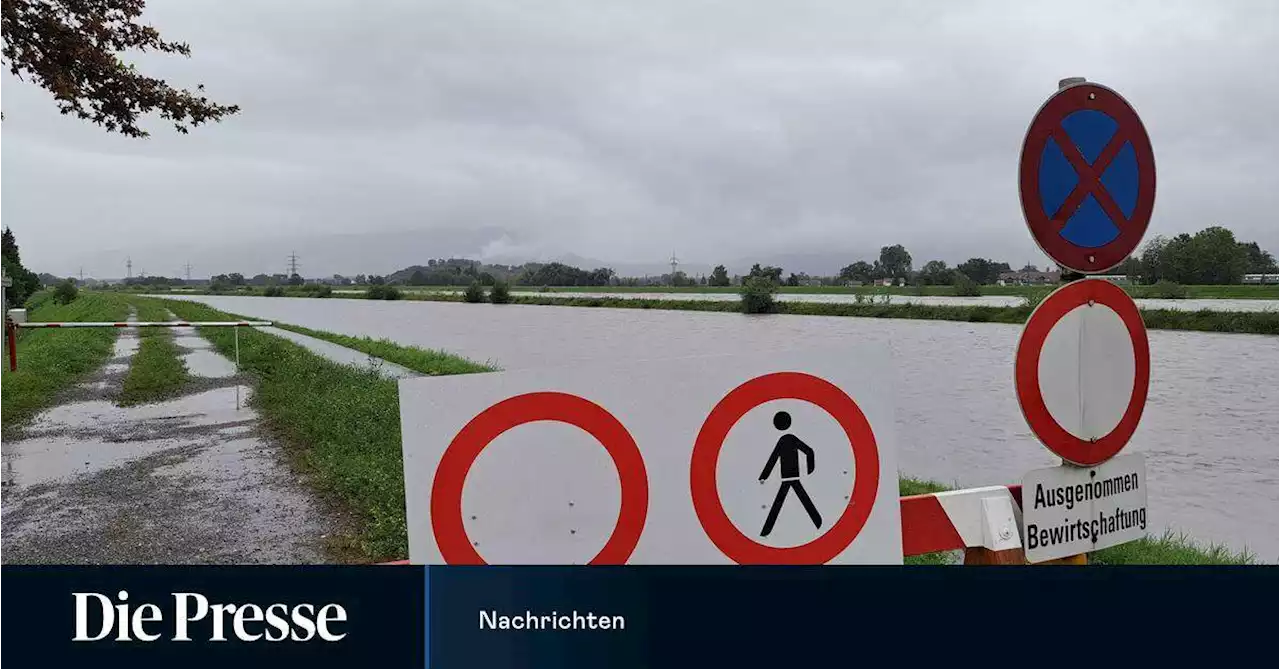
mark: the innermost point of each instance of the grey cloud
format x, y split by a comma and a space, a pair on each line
623, 131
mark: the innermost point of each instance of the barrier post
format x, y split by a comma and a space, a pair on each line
237, 331
980, 555
11, 331
4, 308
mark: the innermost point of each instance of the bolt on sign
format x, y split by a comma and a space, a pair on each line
775, 458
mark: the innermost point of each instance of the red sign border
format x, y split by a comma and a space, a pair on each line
1044, 230
451, 474
706, 454
1027, 371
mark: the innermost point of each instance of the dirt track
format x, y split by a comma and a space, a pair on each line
191, 480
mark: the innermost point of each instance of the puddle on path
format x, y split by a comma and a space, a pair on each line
185, 481
198, 355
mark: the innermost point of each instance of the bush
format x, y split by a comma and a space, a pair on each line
501, 293
757, 295
382, 292
274, 291
1033, 298
320, 290
66, 292
474, 293
963, 286
1168, 290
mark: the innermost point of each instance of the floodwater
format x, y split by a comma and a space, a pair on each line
189, 480
935, 300
1209, 430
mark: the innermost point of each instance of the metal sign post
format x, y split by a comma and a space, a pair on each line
237, 331
1087, 184
5, 282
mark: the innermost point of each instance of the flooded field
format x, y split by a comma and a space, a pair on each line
1209, 431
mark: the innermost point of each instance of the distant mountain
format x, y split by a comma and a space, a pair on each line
380, 252
393, 252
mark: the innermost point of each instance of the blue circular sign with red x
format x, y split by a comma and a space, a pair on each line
1087, 178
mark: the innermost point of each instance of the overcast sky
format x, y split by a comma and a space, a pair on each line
724, 131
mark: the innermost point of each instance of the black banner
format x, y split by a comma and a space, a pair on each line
636, 616
381, 607
853, 616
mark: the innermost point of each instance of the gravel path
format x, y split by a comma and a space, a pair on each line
190, 480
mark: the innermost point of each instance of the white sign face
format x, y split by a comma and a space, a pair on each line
778, 458
1070, 510
1087, 371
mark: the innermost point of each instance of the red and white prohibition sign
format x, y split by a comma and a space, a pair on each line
1082, 371
451, 474
706, 454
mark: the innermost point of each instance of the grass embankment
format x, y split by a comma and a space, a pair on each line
1267, 322
340, 424
424, 361
1237, 292
51, 360
1168, 549
156, 371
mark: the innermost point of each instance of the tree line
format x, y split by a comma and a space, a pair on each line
1211, 256
22, 281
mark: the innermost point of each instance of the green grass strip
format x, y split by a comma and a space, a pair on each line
341, 424
51, 360
156, 371
1235, 292
1266, 322
432, 362
1170, 549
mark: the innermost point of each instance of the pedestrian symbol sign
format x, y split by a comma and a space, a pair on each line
786, 455
1087, 178
714, 498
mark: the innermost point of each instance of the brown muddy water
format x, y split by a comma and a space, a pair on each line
1209, 431
190, 480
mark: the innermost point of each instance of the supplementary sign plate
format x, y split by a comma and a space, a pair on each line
1072, 510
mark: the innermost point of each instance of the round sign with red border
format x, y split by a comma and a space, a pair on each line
1087, 178
451, 474
706, 454
1027, 379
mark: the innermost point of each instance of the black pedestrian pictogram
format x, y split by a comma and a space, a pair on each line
786, 454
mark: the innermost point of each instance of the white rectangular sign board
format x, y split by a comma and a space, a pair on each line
775, 458
1070, 510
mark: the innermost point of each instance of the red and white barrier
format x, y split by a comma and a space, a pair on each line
958, 519
146, 324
